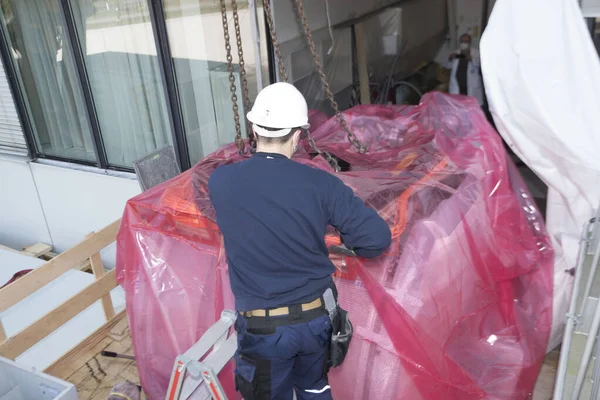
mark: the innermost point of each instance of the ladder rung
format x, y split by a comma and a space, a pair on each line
216, 360
210, 337
221, 356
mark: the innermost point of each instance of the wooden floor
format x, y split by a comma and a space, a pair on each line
93, 374
545, 383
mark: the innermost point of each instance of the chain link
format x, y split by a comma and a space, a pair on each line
332, 161
313, 49
282, 73
245, 96
239, 142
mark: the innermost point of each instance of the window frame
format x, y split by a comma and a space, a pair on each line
15, 88
169, 80
84, 83
168, 77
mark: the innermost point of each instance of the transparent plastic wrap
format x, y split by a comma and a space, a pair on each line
459, 307
334, 48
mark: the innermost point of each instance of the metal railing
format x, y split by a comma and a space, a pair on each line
582, 321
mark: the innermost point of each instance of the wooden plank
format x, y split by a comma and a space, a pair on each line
85, 267
37, 250
100, 374
361, 59
77, 356
35, 332
120, 330
99, 272
94, 375
452, 23
12, 294
9, 249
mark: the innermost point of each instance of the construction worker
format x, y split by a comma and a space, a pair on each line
273, 213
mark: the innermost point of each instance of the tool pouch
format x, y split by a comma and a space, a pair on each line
341, 332
340, 338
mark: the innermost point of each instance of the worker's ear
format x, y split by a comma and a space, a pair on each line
296, 136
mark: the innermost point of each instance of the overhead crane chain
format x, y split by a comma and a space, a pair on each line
267, 8
246, 99
283, 76
239, 141
313, 49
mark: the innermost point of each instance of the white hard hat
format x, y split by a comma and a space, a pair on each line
279, 105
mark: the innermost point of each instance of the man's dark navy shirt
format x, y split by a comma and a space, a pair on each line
273, 213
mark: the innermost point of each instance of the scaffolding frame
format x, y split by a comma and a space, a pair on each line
582, 320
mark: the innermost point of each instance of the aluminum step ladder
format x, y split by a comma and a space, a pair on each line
191, 376
578, 375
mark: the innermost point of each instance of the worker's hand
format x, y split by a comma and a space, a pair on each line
336, 257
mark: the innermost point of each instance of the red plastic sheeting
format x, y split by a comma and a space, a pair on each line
459, 307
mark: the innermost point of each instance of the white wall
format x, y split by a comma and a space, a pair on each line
590, 8
22, 221
315, 10
59, 205
469, 16
468, 19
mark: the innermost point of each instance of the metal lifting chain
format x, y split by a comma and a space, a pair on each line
283, 75
267, 7
245, 97
313, 49
239, 141
332, 161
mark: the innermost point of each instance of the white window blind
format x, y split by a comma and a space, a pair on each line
12, 140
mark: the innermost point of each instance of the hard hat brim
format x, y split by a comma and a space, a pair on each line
279, 130
271, 134
274, 134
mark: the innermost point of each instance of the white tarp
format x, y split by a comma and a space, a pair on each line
542, 79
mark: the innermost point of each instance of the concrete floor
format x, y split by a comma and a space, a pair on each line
545, 383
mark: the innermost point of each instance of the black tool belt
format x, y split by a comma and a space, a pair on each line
341, 331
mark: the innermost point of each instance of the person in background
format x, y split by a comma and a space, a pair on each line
465, 76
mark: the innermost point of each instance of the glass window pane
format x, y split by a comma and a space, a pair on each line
123, 68
39, 44
196, 40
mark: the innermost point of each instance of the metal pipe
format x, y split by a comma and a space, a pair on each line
595, 395
587, 354
591, 276
256, 40
561, 374
596, 231
363, 65
112, 354
591, 339
452, 24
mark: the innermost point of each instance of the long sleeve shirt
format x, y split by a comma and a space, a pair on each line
273, 213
